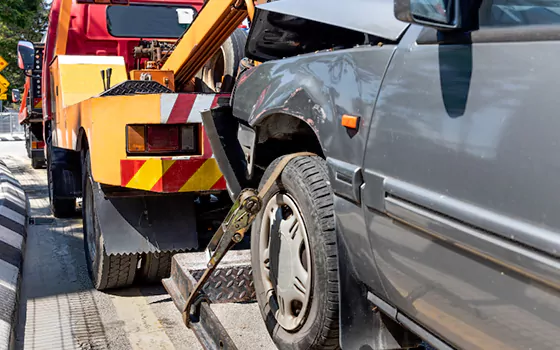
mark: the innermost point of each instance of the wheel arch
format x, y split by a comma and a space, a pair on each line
279, 133
82, 142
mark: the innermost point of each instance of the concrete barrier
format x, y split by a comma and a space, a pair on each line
13, 231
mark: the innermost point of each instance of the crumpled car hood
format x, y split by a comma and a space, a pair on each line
373, 17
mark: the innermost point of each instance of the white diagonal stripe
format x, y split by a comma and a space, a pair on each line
12, 215
8, 275
8, 182
166, 106
10, 237
201, 103
16, 200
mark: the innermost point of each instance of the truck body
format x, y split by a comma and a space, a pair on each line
31, 111
437, 145
124, 133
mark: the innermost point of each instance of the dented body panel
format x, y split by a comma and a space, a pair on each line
318, 89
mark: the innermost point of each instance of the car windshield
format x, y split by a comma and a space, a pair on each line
149, 21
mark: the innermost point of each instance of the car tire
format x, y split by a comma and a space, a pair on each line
106, 271
303, 195
60, 207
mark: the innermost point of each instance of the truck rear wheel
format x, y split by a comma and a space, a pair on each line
60, 207
155, 267
36, 163
294, 257
106, 271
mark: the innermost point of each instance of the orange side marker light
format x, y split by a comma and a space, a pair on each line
350, 121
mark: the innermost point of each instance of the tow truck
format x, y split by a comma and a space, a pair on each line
121, 93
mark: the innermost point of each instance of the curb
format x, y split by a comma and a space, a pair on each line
13, 231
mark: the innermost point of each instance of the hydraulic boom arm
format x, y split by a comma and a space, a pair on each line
214, 24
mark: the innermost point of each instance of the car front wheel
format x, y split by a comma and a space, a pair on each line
294, 257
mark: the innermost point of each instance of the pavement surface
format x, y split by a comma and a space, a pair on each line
60, 309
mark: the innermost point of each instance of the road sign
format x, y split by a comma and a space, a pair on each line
4, 97
3, 63
3, 89
4, 81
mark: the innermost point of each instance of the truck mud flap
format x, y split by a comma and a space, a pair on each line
230, 282
144, 224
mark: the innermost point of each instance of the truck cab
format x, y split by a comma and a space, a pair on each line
428, 207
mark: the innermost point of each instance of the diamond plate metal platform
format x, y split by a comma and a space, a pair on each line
231, 281
133, 87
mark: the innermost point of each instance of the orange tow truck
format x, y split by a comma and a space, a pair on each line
123, 129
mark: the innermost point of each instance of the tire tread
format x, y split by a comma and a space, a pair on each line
310, 174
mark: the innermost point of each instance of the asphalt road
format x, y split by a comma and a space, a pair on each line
59, 309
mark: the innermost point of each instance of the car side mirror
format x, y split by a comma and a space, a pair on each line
26, 55
439, 14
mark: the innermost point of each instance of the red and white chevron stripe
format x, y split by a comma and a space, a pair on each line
186, 108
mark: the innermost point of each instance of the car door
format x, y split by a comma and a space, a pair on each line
462, 191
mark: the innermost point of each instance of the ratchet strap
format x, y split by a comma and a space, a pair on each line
232, 230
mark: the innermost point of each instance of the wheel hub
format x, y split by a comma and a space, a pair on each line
286, 261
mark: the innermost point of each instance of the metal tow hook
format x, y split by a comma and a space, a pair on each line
232, 230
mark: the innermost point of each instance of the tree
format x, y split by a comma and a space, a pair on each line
19, 20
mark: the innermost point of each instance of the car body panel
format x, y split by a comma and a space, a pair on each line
468, 165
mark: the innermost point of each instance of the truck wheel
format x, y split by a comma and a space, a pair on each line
27, 140
36, 163
106, 271
220, 72
294, 257
155, 267
60, 207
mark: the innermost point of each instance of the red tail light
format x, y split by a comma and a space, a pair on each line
37, 145
162, 138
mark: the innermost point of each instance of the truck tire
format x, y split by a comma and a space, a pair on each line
36, 163
60, 207
155, 267
294, 257
27, 140
106, 271
223, 64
